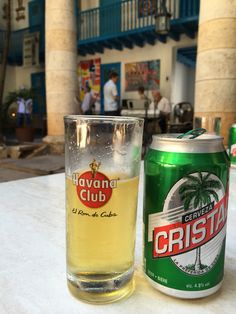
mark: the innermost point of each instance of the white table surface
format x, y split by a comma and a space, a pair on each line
151, 113
32, 261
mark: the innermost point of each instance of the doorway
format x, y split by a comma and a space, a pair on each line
39, 101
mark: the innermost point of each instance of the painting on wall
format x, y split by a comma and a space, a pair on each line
145, 73
89, 74
147, 7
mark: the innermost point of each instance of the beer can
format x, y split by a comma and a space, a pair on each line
232, 145
185, 212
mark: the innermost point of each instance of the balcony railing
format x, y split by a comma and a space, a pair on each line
129, 16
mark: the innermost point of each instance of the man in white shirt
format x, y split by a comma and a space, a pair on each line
111, 97
20, 112
163, 105
28, 106
24, 112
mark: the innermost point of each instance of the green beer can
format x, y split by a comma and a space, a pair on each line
185, 213
232, 145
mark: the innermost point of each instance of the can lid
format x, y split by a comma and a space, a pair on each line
205, 143
233, 125
193, 133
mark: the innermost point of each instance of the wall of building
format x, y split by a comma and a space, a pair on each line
23, 75
10, 81
191, 85
89, 4
15, 24
164, 52
21, 23
2, 21
183, 83
19, 76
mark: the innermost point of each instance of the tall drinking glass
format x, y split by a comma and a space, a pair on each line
102, 174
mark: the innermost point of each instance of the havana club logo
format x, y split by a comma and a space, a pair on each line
191, 229
94, 188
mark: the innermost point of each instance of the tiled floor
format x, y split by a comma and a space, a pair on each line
15, 169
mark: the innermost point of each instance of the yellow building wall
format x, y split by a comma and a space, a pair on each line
89, 4
22, 23
19, 76
10, 81
166, 53
15, 24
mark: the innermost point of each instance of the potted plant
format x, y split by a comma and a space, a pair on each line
23, 97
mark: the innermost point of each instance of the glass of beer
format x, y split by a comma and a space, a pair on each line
102, 174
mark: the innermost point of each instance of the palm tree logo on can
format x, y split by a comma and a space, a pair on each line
192, 227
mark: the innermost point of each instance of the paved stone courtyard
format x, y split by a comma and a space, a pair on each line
15, 169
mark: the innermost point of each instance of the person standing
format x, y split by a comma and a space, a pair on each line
111, 97
20, 112
88, 101
24, 112
142, 95
163, 105
78, 103
28, 111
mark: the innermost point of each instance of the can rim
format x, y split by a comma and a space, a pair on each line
233, 125
205, 143
172, 137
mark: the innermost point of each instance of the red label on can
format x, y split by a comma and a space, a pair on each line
233, 150
195, 229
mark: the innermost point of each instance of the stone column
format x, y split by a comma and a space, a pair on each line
215, 90
61, 66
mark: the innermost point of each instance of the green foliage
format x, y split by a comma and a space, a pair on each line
198, 190
12, 97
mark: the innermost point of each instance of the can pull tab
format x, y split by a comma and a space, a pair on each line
194, 133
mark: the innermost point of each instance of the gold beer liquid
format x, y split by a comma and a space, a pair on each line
100, 243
